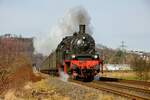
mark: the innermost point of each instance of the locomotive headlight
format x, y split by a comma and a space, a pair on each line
73, 56
95, 56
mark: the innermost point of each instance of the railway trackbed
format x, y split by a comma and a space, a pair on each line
134, 93
144, 84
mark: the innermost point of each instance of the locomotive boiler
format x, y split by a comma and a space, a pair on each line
76, 56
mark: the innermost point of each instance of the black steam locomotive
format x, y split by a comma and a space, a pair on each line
76, 56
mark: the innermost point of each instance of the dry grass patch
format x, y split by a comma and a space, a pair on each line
129, 75
16, 74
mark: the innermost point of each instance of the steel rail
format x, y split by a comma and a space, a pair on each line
98, 86
125, 86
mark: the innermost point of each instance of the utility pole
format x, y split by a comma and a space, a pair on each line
123, 46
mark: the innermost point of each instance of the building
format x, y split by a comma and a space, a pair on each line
142, 54
116, 67
12, 46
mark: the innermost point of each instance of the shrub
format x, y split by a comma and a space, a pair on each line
141, 67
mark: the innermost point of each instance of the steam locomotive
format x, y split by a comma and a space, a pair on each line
75, 56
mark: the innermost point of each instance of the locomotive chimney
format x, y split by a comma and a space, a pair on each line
82, 29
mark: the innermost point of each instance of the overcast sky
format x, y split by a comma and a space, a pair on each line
113, 21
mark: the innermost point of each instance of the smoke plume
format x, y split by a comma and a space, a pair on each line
66, 26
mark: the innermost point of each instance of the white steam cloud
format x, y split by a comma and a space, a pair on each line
97, 77
66, 26
63, 76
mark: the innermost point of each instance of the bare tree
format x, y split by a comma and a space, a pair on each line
141, 67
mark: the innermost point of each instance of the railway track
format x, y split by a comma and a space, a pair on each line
134, 93
135, 82
130, 89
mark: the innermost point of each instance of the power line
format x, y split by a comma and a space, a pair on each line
123, 46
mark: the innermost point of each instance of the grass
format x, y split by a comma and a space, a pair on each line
128, 75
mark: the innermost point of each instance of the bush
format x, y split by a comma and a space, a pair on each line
15, 73
141, 67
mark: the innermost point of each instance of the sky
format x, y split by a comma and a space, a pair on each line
113, 21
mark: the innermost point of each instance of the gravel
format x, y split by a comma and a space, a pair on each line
78, 92
52, 88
